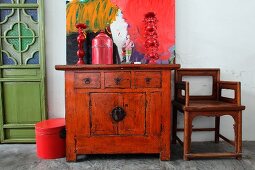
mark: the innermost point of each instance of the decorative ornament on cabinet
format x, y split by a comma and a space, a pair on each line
102, 49
127, 49
151, 41
80, 39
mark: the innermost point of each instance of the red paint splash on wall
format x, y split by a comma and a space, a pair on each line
134, 11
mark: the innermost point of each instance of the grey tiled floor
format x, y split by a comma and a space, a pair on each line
23, 157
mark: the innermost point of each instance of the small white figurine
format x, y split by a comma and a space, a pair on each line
127, 49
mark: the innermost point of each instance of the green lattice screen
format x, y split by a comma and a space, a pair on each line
22, 69
19, 32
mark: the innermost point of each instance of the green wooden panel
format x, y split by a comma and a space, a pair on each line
14, 42
19, 133
21, 73
18, 126
24, 140
20, 34
22, 69
21, 102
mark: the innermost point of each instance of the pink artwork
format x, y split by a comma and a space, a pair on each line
125, 18
134, 12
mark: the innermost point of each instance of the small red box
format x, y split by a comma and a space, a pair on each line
50, 138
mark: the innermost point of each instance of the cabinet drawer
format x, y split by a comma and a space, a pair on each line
87, 80
117, 80
148, 79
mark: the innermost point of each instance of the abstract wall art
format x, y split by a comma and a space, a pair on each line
124, 22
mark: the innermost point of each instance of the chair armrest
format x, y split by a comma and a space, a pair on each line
179, 86
230, 85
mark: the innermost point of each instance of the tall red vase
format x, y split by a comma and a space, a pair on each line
102, 49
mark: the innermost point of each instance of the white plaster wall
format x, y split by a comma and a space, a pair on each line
216, 33
55, 37
209, 33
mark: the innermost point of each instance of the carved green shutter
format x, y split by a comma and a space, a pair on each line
22, 69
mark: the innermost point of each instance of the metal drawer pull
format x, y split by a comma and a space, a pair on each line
147, 80
118, 114
117, 80
87, 80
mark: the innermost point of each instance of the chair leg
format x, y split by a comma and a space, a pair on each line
217, 129
187, 135
174, 125
238, 134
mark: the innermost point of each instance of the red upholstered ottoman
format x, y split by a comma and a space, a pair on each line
50, 138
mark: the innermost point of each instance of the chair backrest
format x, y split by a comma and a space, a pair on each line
212, 72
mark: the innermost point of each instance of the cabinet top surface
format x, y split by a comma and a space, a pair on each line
118, 67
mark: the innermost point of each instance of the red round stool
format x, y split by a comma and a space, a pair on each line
50, 138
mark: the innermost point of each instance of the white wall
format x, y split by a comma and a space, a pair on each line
55, 36
211, 33
216, 33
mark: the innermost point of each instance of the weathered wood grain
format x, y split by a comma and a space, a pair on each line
93, 92
211, 105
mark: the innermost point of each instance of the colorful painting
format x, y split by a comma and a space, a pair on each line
123, 21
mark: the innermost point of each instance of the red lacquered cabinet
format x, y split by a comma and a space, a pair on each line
118, 109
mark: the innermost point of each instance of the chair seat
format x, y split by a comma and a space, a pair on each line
209, 105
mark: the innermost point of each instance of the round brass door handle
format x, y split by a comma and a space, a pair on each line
118, 114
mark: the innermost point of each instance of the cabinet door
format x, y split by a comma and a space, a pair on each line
134, 123
101, 105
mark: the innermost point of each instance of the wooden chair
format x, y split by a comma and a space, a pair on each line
211, 105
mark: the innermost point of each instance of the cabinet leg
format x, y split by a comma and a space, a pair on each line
71, 157
70, 148
70, 154
164, 156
